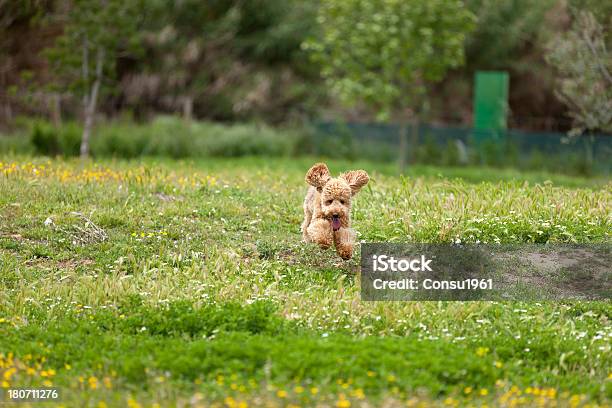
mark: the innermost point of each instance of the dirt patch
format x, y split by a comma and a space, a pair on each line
565, 272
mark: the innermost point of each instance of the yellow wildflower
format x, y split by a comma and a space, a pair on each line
359, 394
451, 402
8, 373
343, 402
132, 403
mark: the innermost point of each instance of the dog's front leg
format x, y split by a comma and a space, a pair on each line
320, 232
344, 240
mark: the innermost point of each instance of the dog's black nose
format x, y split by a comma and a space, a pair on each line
335, 216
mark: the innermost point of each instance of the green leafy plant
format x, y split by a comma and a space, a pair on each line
387, 53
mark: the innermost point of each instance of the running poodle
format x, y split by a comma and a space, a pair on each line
327, 208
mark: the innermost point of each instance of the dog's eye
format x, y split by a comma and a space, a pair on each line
328, 202
342, 202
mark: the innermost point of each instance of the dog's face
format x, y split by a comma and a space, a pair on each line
336, 202
336, 192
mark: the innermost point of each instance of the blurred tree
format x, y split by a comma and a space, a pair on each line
223, 59
584, 65
386, 52
584, 83
95, 34
505, 29
191, 42
601, 9
17, 50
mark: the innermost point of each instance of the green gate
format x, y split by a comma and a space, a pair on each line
490, 105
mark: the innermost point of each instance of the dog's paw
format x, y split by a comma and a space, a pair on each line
344, 240
345, 251
324, 245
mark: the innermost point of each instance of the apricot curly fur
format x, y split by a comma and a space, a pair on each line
326, 198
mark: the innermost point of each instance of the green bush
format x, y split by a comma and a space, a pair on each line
44, 139
164, 136
246, 140
170, 136
428, 152
116, 140
490, 153
53, 140
451, 155
15, 143
340, 145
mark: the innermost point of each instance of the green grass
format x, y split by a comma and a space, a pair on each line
198, 290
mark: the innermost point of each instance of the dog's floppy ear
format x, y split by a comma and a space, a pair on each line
318, 175
356, 179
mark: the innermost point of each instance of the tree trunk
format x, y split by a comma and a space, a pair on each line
187, 108
87, 125
8, 112
56, 109
414, 139
90, 107
402, 147
85, 69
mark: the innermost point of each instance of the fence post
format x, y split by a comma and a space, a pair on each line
402, 146
415, 139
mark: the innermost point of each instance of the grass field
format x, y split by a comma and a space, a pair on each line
191, 287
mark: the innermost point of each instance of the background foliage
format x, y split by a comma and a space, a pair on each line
241, 60
385, 53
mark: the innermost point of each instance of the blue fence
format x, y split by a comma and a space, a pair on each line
455, 145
